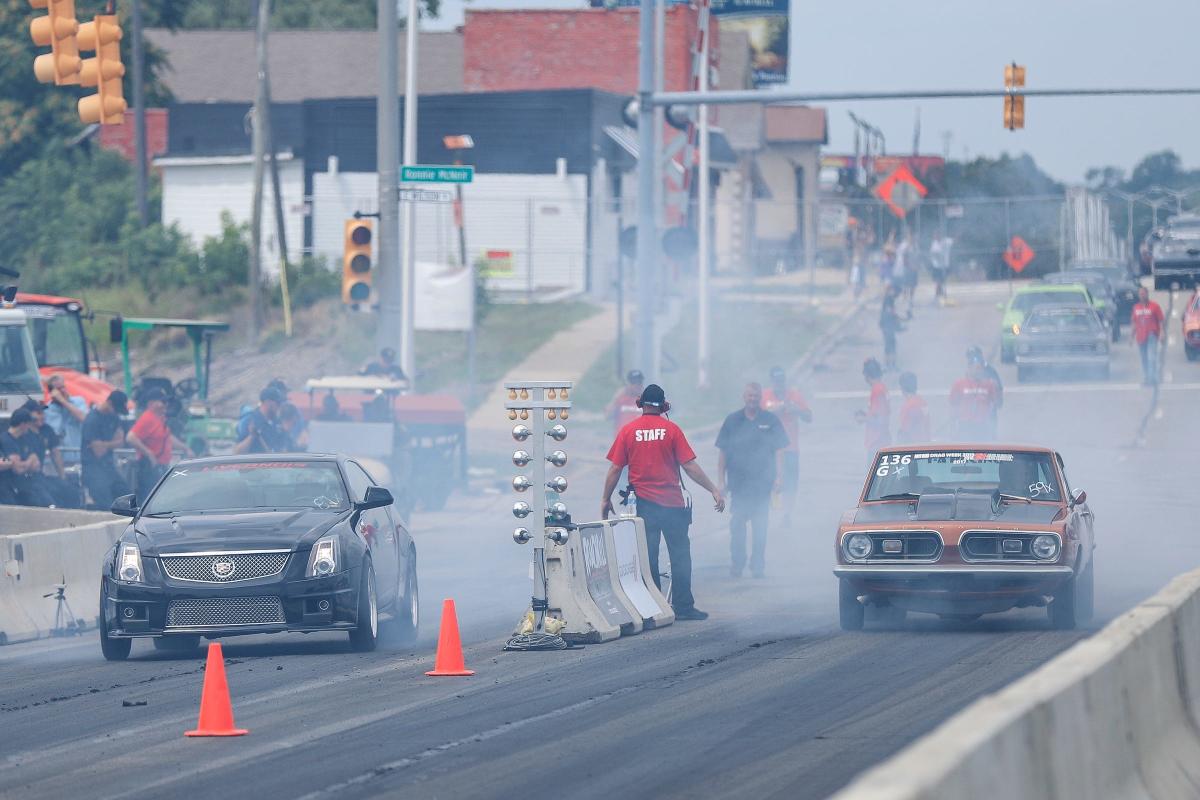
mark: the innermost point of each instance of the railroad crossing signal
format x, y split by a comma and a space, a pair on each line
56, 30
104, 71
356, 261
1014, 103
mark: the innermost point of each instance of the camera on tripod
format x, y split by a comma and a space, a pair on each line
65, 622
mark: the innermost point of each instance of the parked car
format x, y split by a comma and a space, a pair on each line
1124, 283
1175, 259
259, 544
1191, 327
1104, 299
1061, 340
965, 530
1029, 297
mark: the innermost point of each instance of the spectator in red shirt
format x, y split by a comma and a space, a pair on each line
914, 413
656, 451
153, 441
877, 417
1147, 322
623, 409
973, 401
790, 406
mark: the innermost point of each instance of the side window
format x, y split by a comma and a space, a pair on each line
1066, 480
358, 479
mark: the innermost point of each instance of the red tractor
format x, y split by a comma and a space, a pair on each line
62, 347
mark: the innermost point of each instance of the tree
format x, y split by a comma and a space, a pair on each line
239, 14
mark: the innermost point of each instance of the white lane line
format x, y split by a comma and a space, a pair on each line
1047, 388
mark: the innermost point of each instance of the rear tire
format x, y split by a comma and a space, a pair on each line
365, 637
850, 612
403, 626
1085, 593
113, 649
1062, 607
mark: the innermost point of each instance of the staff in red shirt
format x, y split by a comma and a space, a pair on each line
1147, 322
153, 440
973, 401
623, 409
914, 413
877, 417
656, 451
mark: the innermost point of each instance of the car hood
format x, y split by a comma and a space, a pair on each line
1031, 514
251, 530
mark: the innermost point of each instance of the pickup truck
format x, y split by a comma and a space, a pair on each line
1175, 258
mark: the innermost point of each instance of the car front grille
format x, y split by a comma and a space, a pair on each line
224, 567
990, 546
224, 612
914, 546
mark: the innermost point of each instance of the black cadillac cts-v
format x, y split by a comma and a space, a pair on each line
259, 544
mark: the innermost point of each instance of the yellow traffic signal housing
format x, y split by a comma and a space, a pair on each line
57, 31
104, 71
1014, 76
1014, 111
357, 264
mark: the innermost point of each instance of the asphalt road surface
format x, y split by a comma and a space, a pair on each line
765, 699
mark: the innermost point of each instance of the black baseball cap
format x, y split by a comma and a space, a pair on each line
975, 354
35, 405
270, 394
20, 417
119, 401
635, 376
653, 395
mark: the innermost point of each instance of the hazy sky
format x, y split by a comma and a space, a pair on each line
964, 44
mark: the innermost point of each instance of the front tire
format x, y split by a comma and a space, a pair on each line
1062, 608
402, 628
365, 637
1085, 593
113, 649
850, 612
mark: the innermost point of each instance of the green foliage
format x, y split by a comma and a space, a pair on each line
239, 14
225, 259
311, 281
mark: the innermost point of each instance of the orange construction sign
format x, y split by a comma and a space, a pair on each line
901, 191
1019, 254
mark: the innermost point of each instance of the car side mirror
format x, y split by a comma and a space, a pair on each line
1080, 497
125, 506
377, 497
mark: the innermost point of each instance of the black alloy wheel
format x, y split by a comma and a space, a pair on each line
365, 637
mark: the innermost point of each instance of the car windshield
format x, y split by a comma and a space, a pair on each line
1062, 320
902, 476
57, 336
1184, 229
1027, 301
249, 485
18, 367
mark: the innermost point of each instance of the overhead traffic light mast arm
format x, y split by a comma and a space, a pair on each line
776, 97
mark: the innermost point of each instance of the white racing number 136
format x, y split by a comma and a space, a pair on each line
891, 460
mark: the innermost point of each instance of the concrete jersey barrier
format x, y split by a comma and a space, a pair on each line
1115, 716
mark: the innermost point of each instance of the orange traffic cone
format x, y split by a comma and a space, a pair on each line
216, 712
449, 660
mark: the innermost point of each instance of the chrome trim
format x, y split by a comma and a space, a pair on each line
962, 552
224, 553
907, 570
177, 628
885, 532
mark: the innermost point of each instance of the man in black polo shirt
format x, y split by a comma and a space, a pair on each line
23, 453
751, 442
102, 434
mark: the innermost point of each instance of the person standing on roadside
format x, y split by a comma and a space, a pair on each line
751, 441
102, 434
45, 442
258, 431
790, 406
914, 425
974, 400
22, 447
939, 264
623, 409
878, 414
65, 415
1147, 322
975, 354
656, 452
153, 441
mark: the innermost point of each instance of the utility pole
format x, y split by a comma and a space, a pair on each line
139, 116
280, 230
647, 262
387, 153
704, 223
258, 140
408, 266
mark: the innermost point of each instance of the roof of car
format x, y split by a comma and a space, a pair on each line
258, 458
1051, 287
968, 447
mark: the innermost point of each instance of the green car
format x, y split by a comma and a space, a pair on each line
1028, 298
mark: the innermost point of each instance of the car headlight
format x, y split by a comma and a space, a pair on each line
129, 564
323, 559
858, 545
1045, 547
1016, 329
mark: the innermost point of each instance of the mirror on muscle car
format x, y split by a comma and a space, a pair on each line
377, 497
1080, 497
125, 506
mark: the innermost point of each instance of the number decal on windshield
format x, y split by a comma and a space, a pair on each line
1040, 488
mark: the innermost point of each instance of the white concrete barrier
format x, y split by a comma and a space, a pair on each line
34, 563
1116, 716
568, 596
627, 538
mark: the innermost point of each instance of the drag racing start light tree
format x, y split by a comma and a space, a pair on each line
357, 264
539, 409
56, 30
104, 71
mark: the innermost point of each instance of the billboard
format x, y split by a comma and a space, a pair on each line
766, 24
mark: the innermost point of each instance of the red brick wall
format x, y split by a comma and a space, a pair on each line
121, 139
575, 49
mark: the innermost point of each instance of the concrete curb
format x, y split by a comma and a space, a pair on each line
1115, 716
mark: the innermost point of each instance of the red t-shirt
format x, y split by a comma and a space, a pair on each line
879, 412
914, 420
653, 447
973, 400
1146, 318
624, 407
791, 420
152, 430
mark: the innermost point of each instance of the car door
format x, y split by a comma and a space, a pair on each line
377, 529
1079, 519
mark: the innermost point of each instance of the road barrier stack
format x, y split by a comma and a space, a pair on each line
1116, 716
68, 552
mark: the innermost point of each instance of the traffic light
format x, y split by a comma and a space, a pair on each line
356, 261
57, 31
104, 71
1014, 103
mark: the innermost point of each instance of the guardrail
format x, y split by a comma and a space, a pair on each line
1115, 716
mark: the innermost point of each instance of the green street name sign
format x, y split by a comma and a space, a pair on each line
432, 173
